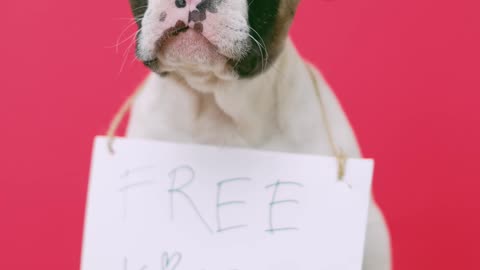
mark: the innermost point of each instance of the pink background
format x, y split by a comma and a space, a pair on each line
406, 71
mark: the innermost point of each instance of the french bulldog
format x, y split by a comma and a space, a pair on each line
224, 72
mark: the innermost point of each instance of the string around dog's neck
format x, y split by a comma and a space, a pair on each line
337, 151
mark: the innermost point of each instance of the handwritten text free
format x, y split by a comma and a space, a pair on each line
183, 176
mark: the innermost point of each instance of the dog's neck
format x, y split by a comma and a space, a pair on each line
256, 109
249, 103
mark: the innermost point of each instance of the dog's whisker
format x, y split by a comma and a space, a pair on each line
127, 51
119, 42
125, 19
261, 52
264, 45
117, 45
140, 7
125, 57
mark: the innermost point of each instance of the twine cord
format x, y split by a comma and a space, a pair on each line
338, 152
118, 118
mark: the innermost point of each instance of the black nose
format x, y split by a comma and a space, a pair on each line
181, 3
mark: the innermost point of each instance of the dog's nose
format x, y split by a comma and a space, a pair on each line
181, 3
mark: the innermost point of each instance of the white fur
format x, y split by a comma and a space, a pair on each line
277, 110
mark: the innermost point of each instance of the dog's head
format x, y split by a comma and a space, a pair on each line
219, 38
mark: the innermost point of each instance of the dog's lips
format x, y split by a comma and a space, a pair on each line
183, 44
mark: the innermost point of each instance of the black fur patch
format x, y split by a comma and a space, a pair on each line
210, 5
262, 17
139, 7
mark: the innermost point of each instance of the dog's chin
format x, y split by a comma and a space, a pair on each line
189, 53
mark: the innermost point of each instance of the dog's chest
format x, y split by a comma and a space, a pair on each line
202, 123
292, 124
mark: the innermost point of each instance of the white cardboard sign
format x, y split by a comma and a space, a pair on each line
165, 206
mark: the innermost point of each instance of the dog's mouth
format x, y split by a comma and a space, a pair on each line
180, 27
185, 45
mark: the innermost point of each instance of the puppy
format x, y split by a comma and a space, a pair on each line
224, 72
